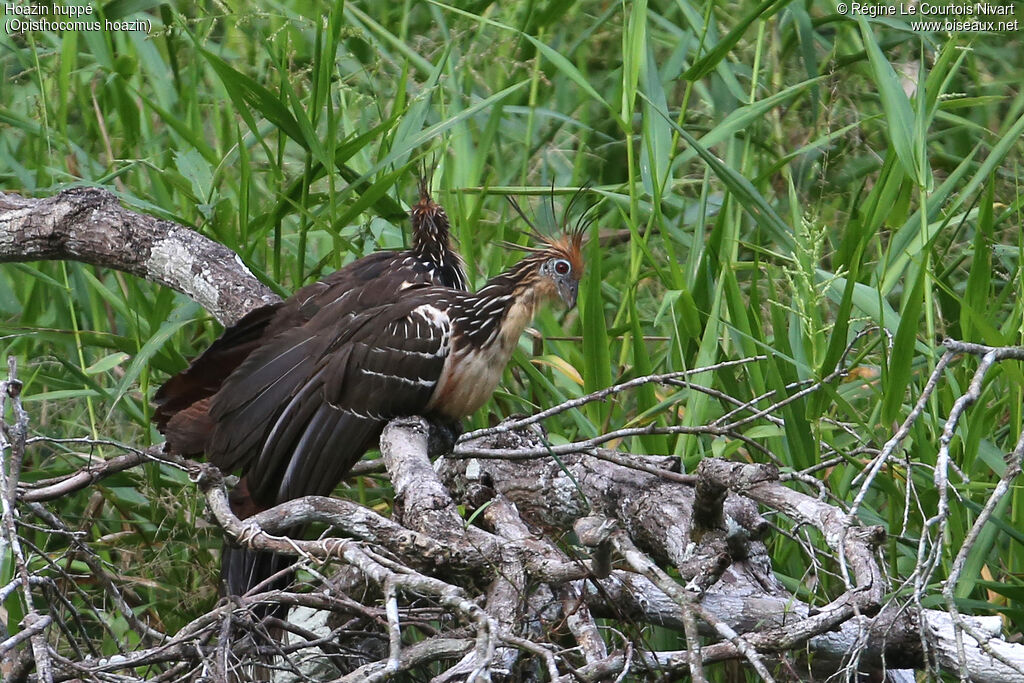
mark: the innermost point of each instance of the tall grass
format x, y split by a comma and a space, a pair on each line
773, 179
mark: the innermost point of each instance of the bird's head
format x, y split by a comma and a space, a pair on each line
559, 258
563, 267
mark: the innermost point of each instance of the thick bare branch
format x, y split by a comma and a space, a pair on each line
88, 224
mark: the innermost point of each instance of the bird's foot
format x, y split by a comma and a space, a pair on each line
443, 435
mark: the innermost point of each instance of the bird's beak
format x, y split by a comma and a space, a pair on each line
567, 290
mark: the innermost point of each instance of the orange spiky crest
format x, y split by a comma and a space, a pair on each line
568, 244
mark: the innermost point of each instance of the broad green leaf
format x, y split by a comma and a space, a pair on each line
747, 195
742, 118
106, 363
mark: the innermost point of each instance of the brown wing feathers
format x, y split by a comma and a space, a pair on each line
254, 400
300, 412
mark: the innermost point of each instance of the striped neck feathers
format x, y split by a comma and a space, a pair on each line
507, 303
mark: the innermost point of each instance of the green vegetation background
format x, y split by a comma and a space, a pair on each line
773, 178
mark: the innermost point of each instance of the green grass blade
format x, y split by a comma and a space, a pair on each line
596, 356
749, 198
901, 360
899, 115
708, 62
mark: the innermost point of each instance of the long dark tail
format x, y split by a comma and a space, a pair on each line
241, 570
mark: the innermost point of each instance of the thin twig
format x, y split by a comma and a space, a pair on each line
516, 425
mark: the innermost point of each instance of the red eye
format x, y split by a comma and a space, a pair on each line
562, 267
